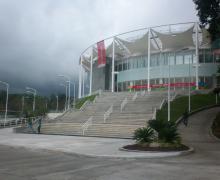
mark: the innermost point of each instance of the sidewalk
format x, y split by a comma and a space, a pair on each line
88, 146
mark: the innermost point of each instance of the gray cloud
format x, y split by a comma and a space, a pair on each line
42, 38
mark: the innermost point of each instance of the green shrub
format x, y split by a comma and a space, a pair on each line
81, 101
144, 135
180, 104
167, 130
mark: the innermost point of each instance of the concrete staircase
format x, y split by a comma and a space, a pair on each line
120, 124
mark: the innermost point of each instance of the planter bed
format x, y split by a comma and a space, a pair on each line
138, 147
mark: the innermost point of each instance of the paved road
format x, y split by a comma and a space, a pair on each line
20, 163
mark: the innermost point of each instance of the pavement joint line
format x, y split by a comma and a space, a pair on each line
94, 141
83, 146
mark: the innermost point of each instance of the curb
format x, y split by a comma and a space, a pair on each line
212, 135
179, 120
160, 154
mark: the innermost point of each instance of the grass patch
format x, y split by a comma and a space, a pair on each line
216, 126
81, 101
180, 105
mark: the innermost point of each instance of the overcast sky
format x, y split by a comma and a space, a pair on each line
42, 38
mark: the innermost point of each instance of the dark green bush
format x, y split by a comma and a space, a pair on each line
144, 135
81, 101
167, 130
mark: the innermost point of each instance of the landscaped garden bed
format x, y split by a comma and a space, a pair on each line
81, 101
141, 147
180, 105
161, 135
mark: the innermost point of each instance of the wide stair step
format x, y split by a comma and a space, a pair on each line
135, 114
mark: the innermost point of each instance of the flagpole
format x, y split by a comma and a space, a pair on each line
113, 63
148, 62
168, 99
80, 78
197, 57
83, 82
91, 63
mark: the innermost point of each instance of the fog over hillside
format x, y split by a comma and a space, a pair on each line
42, 38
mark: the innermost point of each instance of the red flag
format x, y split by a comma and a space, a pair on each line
101, 54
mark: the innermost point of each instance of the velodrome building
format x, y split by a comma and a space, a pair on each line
149, 58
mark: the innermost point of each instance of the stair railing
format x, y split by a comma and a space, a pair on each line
173, 96
135, 96
154, 113
124, 102
108, 113
21, 121
143, 93
86, 125
163, 102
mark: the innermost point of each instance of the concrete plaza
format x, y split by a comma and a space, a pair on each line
59, 157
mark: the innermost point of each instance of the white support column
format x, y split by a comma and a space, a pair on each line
197, 57
189, 90
83, 82
6, 105
141, 85
80, 78
91, 69
168, 98
69, 95
174, 81
148, 62
113, 63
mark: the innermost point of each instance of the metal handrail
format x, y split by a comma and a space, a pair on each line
143, 93
163, 102
124, 102
86, 125
155, 113
173, 97
135, 96
108, 113
21, 121
84, 105
99, 92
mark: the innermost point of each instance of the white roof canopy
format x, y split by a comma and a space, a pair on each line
160, 41
176, 41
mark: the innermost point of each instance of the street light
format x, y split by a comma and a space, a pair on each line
74, 93
189, 106
168, 98
22, 103
68, 81
6, 104
34, 92
66, 95
57, 104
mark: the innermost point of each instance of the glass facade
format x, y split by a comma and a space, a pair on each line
161, 61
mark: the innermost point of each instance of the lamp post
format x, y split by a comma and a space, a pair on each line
6, 103
57, 104
22, 105
66, 95
189, 106
168, 98
34, 92
68, 81
74, 92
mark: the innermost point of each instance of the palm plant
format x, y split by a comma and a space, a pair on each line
167, 130
144, 135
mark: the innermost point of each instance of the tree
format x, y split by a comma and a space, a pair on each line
209, 15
